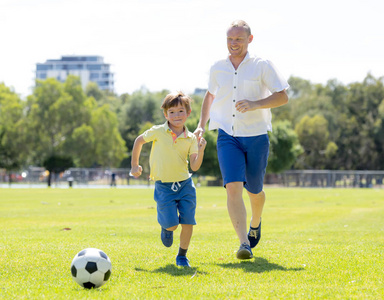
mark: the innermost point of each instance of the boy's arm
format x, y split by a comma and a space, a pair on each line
197, 158
136, 169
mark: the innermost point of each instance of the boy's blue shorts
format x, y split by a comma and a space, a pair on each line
176, 203
243, 159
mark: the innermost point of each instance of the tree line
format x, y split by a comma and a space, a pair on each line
58, 126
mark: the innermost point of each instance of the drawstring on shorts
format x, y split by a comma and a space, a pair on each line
175, 186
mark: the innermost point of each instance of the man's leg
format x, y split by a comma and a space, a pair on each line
237, 211
257, 205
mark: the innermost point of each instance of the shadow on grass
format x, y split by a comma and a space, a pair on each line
173, 270
257, 265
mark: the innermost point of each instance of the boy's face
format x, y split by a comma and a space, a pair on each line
177, 115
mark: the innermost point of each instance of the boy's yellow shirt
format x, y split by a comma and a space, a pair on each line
169, 154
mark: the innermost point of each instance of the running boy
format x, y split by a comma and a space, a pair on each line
175, 192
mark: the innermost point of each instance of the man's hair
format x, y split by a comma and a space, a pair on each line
174, 99
241, 23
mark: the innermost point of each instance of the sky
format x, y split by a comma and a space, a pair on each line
171, 44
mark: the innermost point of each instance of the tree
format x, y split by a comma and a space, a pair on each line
63, 123
57, 164
12, 150
313, 135
284, 147
110, 147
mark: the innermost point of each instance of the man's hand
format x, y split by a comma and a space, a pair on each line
245, 105
199, 133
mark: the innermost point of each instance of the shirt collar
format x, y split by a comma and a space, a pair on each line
246, 57
166, 128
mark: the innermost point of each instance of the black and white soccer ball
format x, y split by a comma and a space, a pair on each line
91, 268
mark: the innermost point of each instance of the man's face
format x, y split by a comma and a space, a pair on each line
237, 42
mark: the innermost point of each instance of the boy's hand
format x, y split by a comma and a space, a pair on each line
201, 144
136, 171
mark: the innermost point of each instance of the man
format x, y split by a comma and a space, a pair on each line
242, 89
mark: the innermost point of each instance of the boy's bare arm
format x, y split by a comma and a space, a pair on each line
197, 159
136, 169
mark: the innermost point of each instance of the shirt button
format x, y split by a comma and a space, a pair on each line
234, 100
235, 73
233, 115
234, 87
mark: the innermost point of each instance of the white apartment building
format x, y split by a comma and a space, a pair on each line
88, 68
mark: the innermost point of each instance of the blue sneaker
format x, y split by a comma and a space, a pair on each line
182, 261
244, 252
254, 235
166, 237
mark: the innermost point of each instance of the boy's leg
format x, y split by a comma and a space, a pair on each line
185, 238
166, 211
185, 235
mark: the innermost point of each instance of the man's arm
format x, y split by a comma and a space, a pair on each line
204, 117
275, 100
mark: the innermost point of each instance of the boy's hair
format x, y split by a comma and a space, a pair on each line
241, 23
174, 99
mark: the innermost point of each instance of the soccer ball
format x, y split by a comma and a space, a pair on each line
91, 268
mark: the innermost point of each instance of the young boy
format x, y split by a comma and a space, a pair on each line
175, 192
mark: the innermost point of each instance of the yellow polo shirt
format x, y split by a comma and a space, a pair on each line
169, 154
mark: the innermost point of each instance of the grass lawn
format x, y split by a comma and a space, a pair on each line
316, 244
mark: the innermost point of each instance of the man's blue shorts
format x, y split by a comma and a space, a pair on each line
243, 159
176, 203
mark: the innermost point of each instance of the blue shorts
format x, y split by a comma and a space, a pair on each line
176, 203
243, 159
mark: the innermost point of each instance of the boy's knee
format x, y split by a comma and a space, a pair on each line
173, 228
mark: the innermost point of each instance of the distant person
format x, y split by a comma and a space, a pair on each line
241, 91
113, 179
175, 192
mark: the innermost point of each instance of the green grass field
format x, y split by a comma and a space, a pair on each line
316, 244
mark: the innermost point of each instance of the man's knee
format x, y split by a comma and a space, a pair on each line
234, 188
259, 196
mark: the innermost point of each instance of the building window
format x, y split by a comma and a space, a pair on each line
94, 67
93, 76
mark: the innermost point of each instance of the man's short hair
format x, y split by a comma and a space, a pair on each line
174, 99
241, 23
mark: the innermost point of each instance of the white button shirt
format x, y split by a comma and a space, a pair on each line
253, 80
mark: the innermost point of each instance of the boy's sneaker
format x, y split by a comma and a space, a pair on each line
166, 237
254, 235
244, 252
182, 261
